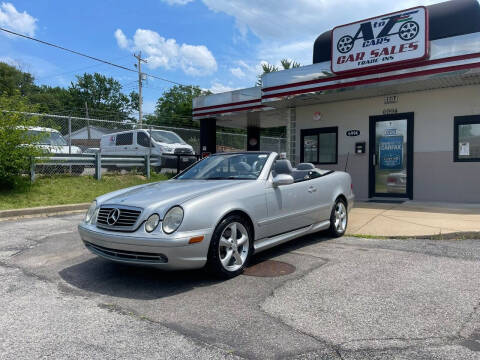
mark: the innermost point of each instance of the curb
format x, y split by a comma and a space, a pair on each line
43, 210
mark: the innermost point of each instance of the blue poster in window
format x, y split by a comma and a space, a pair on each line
391, 152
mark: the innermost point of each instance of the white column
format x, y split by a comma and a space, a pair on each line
291, 134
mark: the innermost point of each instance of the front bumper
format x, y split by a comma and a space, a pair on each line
155, 249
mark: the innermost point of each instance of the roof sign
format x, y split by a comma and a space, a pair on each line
382, 41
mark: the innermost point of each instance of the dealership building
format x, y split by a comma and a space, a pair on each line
394, 100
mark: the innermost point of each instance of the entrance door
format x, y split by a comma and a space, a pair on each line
391, 155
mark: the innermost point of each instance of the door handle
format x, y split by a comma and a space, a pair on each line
312, 189
374, 159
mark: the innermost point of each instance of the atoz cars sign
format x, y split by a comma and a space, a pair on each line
385, 40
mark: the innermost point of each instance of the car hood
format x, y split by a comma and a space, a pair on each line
60, 149
162, 195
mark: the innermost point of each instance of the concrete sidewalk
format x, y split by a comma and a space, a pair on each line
413, 218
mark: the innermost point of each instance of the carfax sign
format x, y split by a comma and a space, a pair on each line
385, 40
391, 152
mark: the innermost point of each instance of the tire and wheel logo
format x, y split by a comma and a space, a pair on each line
408, 31
345, 44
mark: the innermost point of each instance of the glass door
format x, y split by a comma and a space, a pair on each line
391, 155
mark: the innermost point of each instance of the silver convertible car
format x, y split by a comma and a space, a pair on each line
218, 213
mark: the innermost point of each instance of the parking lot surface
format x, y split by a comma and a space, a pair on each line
348, 298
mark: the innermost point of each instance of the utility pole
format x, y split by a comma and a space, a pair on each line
88, 121
139, 68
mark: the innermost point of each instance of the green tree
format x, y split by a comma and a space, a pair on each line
103, 96
13, 80
16, 146
49, 99
174, 107
268, 68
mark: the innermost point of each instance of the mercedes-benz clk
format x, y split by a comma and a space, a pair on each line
217, 213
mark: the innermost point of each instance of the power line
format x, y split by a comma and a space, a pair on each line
74, 71
88, 56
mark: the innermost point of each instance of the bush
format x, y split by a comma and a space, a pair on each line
16, 147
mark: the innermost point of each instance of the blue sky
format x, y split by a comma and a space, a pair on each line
216, 44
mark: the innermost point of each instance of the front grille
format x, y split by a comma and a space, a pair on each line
126, 255
127, 217
183, 151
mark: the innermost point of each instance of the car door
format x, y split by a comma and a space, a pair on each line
124, 144
322, 196
143, 143
290, 207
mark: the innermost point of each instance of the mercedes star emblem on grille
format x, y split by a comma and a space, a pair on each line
113, 216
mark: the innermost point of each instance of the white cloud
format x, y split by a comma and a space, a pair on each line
287, 29
122, 40
177, 2
218, 87
237, 72
194, 60
20, 22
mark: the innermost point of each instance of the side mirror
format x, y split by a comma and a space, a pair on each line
282, 179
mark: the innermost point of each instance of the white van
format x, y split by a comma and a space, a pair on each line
164, 144
53, 142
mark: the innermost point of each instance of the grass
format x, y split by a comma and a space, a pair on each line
61, 190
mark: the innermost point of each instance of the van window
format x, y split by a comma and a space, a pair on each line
143, 139
124, 139
166, 137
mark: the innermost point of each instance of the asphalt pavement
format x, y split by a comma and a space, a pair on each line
348, 298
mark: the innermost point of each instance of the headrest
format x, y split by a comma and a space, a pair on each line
242, 167
305, 166
283, 167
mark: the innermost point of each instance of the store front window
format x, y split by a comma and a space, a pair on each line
319, 146
467, 138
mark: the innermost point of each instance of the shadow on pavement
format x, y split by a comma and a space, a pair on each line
135, 282
147, 283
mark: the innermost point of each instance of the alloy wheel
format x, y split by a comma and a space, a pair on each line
340, 217
233, 246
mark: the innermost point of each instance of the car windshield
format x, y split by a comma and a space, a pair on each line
166, 137
244, 166
47, 138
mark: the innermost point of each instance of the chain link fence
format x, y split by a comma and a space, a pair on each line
70, 135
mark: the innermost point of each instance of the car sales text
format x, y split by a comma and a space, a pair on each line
378, 55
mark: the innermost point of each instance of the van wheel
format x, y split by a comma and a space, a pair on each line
230, 248
78, 169
339, 218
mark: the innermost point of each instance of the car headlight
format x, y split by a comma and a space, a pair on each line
152, 223
168, 149
172, 219
91, 212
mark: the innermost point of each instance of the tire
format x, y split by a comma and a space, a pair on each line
224, 246
408, 31
345, 44
339, 218
78, 169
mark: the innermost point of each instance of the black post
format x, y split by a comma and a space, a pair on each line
253, 138
98, 165
208, 136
